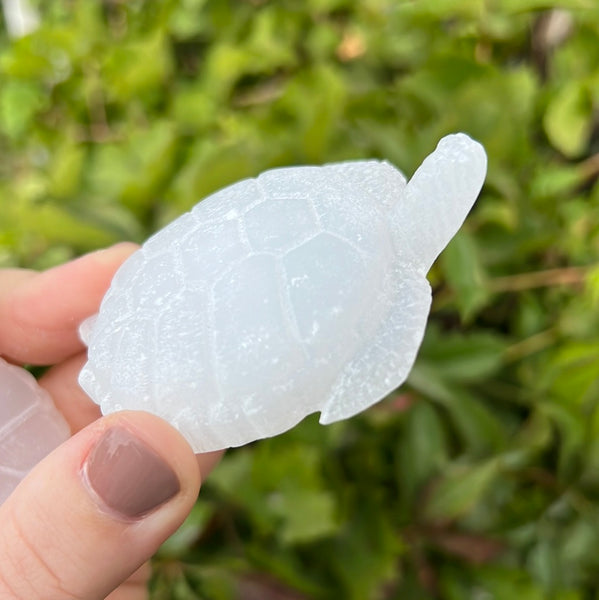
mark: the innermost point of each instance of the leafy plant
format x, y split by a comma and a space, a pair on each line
479, 478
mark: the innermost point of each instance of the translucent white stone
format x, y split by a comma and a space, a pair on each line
30, 426
299, 291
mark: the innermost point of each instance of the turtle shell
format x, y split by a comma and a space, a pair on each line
295, 292
241, 313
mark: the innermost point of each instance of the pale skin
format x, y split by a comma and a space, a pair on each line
56, 540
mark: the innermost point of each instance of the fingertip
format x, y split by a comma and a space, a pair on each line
61, 382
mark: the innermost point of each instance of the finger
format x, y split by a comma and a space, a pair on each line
208, 460
61, 382
98, 507
136, 587
40, 312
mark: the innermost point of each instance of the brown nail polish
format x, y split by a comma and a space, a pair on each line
127, 475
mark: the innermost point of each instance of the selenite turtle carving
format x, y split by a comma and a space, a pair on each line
298, 291
30, 426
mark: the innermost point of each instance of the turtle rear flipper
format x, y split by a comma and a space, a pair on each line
384, 363
438, 198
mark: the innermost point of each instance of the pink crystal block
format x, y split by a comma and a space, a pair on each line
30, 426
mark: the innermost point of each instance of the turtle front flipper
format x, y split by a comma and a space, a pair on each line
438, 198
383, 362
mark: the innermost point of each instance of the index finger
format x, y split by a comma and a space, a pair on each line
40, 312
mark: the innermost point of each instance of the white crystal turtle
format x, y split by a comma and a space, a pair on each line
30, 426
301, 290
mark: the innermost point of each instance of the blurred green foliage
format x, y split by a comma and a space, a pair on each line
479, 479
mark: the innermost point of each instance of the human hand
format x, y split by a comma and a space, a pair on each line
84, 521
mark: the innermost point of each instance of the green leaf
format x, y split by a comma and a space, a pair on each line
592, 286
284, 566
478, 428
505, 582
65, 170
133, 172
446, 8
207, 170
577, 549
574, 372
463, 270
460, 489
364, 557
187, 18
20, 101
136, 69
232, 472
520, 6
571, 425
462, 357
532, 439
306, 515
56, 224
568, 119
317, 115
423, 448
496, 582
283, 490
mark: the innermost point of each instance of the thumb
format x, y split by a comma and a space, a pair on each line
94, 510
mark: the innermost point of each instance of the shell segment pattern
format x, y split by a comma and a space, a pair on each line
295, 292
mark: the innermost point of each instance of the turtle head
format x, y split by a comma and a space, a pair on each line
437, 199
